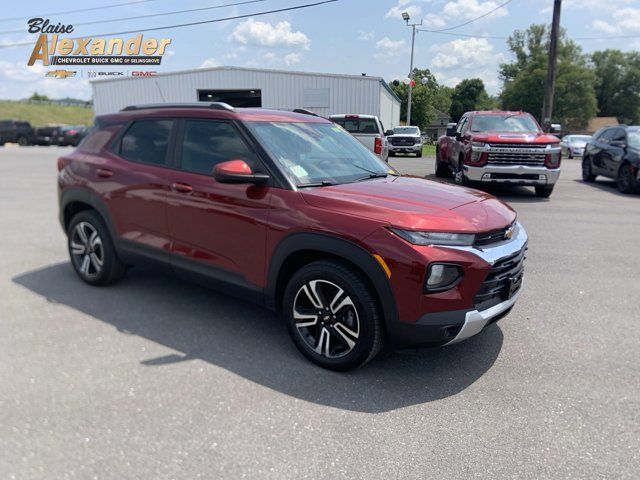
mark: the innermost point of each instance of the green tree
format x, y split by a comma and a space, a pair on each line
37, 97
427, 94
469, 95
523, 89
617, 84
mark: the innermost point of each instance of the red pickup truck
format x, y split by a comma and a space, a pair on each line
499, 147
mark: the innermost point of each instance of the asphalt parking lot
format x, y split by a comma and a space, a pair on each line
153, 378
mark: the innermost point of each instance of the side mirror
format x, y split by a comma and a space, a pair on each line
388, 133
451, 131
237, 171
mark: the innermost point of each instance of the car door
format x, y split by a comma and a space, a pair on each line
134, 185
598, 151
458, 144
217, 229
612, 156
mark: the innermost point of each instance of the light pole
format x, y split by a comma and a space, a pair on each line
405, 17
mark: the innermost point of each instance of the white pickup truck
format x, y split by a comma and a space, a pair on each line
367, 129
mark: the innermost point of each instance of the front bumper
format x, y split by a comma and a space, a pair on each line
450, 327
405, 148
515, 174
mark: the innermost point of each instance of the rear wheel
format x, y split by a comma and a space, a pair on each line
626, 180
91, 249
333, 316
544, 191
587, 172
442, 170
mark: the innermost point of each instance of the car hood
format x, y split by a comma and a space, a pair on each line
414, 203
514, 137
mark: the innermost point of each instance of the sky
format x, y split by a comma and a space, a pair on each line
347, 36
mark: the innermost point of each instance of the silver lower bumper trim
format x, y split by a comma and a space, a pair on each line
483, 174
475, 321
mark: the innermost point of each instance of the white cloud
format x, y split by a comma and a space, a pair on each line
469, 9
622, 21
433, 20
264, 34
464, 53
591, 5
292, 58
365, 36
414, 11
209, 63
387, 48
17, 80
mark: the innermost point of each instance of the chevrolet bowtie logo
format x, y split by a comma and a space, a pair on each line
61, 73
509, 233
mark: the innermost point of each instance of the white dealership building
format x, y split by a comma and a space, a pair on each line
322, 93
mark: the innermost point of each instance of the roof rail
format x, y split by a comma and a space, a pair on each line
213, 105
304, 112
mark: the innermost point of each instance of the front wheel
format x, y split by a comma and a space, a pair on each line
91, 249
459, 177
587, 172
626, 180
333, 316
419, 154
544, 191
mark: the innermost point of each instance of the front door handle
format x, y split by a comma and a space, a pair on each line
182, 187
105, 173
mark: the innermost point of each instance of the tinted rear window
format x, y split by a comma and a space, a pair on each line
146, 141
358, 125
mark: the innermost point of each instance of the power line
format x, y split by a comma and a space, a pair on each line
77, 10
472, 20
180, 25
121, 19
501, 37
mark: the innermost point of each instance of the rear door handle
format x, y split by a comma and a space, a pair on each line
182, 187
105, 173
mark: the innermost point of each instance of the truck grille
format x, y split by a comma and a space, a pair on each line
402, 141
516, 154
494, 236
496, 287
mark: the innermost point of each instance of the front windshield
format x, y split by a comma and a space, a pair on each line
633, 136
519, 123
405, 131
579, 139
317, 153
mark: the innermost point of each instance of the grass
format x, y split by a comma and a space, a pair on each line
41, 114
428, 150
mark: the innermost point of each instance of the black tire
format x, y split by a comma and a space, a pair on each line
22, 141
391, 154
544, 191
419, 154
459, 177
587, 171
110, 268
357, 321
626, 181
442, 170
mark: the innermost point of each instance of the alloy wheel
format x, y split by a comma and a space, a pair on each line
326, 318
87, 250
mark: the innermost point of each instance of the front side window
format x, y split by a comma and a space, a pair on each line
312, 153
147, 141
516, 123
207, 143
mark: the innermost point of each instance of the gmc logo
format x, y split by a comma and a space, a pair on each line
143, 74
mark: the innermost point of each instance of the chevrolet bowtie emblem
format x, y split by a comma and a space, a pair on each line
61, 73
509, 233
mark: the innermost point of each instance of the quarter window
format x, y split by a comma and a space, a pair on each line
146, 141
207, 143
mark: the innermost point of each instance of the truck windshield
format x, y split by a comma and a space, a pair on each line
318, 153
406, 131
633, 137
504, 123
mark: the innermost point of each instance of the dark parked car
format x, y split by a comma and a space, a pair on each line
614, 152
12, 131
71, 135
290, 211
47, 135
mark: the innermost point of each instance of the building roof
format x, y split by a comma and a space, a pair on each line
596, 123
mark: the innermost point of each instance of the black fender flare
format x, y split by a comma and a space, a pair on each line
333, 246
83, 195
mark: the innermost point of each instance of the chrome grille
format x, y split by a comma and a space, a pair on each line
495, 287
516, 154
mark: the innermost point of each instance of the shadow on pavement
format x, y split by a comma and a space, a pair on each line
606, 185
252, 342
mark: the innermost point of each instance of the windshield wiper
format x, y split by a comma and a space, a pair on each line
372, 175
323, 183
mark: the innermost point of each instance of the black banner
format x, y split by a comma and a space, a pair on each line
105, 60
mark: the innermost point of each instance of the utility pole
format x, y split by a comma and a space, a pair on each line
405, 17
550, 84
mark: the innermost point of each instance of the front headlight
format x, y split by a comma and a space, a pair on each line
435, 238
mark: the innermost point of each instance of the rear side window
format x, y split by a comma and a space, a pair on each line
147, 141
358, 125
207, 143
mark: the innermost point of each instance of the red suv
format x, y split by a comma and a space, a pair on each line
291, 211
